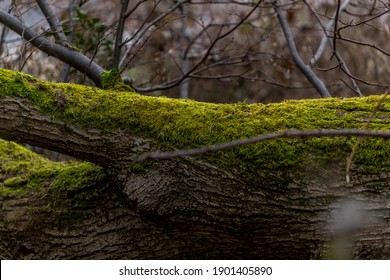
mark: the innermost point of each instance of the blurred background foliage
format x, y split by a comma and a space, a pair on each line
252, 64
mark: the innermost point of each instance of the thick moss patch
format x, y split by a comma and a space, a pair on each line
23, 172
181, 124
42, 190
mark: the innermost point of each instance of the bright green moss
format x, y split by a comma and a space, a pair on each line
111, 79
77, 175
14, 182
23, 172
172, 123
42, 187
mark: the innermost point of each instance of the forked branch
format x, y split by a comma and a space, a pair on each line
68, 55
52, 20
305, 69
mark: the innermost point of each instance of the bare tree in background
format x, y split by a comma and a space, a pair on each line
162, 46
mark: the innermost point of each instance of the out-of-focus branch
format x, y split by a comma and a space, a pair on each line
52, 20
336, 21
364, 81
305, 69
362, 22
325, 37
142, 31
361, 43
119, 34
127, 14
341, 61
65, 54
71, 11
185, 63
4, 33
220, 36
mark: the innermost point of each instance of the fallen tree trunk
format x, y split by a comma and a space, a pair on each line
278, 199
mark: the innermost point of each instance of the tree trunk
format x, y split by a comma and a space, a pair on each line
279, 199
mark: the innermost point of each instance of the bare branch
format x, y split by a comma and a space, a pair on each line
139, 34
52, 20
71, 11
336, 20
364, 81
65, 54
325, 38
130, 59
306, 70
4, 33
269, 136
356, 42
185, 63
134, 8
119, 34
341, 61
364, 21
205, 56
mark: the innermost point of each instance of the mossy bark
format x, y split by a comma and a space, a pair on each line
277, 199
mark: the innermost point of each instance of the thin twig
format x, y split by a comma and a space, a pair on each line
360, 43
363, 21
325, 38
4, 31
141, 47
364, 81
360, 138
65, 54
119, 34
71, 11
336, 20
185, 63
264, 137
142, 31
343, 65
305, 69
52, 20
220, 36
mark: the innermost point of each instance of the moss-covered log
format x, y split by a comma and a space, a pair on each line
285, 198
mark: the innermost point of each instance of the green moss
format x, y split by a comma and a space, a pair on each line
23, 172
14, 182
42, 186
109, 78
77, 175
20, 168
181, 124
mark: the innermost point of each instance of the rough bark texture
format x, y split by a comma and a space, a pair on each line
284, 199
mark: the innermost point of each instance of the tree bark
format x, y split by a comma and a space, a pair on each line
281, 199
